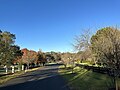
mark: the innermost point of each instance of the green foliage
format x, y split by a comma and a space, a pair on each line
15, 53
8, 51
106, 47
53, 56
41, 56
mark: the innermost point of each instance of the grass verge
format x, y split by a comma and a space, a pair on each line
83, 79
5, 78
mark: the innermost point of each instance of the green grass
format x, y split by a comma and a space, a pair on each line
82, 79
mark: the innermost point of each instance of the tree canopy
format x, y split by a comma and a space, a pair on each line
106, 47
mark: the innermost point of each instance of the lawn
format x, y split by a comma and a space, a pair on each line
83, 79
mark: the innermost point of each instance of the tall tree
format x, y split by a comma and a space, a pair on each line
29, 57
6, 40
106, 48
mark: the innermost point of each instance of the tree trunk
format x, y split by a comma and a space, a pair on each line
28, 66
6, 69
13, 69
22, 67
72, 70
116, 84
19, 67
65, 65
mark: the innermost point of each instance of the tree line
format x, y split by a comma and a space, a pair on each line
11, 54
101, 49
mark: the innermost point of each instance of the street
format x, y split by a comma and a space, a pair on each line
45, 78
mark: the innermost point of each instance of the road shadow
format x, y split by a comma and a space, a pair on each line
41, 73
49, 83
47, 79
56, 64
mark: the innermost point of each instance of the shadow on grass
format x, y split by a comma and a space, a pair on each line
88, 80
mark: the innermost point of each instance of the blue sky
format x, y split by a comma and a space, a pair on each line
51, 25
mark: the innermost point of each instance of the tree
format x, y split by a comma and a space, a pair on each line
65, 58
53, 56
41, 57
15, 54
106, 48
6, 41
82, 44
86, 55
29, 57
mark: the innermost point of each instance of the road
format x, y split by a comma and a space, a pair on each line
45, 78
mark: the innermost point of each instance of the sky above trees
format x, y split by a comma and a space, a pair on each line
52, 24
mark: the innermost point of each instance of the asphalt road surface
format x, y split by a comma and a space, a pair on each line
45, 78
